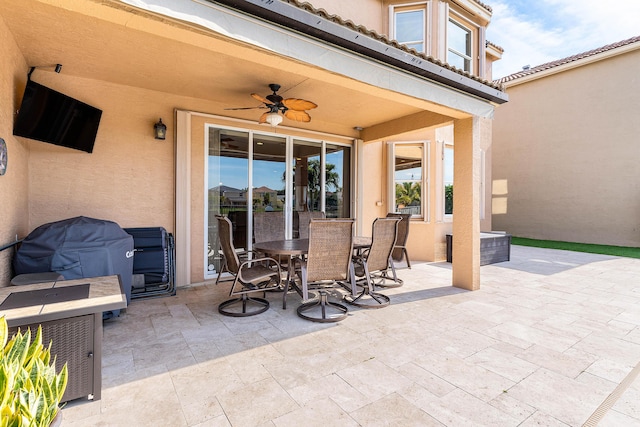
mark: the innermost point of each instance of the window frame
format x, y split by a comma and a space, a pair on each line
425, 190
425, 8
456, 20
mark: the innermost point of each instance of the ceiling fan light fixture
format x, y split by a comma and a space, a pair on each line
274, 119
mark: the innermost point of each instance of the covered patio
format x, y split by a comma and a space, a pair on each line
191, 63
552, 338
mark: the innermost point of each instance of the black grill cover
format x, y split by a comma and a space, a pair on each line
78, 248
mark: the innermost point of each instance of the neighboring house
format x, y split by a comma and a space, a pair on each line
228, 196
264, 197
387, 113
566, 149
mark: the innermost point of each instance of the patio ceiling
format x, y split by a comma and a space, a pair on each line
113, 42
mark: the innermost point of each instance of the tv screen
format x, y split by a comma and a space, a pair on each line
50, 116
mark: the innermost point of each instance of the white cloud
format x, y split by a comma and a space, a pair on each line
535, 33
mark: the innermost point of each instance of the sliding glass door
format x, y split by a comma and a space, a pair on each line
247, 172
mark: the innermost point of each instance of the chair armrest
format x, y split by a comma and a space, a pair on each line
257, 260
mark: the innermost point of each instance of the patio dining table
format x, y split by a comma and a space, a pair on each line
293, 248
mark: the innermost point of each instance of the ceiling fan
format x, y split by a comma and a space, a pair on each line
291, 108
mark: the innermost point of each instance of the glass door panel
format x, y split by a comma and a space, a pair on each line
306, 176
227, 185
337, 181
269, 179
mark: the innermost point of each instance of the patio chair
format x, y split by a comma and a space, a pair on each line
328, 264
268, 226
399, 252
304, 218
376, 259
250, 276
243, 255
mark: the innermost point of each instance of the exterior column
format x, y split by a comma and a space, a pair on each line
466, 204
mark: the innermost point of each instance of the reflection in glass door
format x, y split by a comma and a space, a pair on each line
269, 178
306, 176
337, 181
227, 184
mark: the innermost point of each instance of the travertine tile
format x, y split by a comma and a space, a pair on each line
504, 364
317, 413
393, 410
544, 341
565, 399
256, 403
373, 379
330, 387
459, 408
472, 378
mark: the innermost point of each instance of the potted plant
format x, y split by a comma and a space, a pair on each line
30, 388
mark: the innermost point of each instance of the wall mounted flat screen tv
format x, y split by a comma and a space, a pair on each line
50, 116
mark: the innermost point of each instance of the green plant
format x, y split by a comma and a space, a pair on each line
408, 193
30, 389
448, 199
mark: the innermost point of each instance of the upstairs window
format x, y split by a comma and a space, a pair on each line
459, 46
409, 26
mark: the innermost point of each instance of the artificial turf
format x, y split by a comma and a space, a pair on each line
622, 251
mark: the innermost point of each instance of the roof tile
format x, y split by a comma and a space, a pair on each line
566, 60
385, 39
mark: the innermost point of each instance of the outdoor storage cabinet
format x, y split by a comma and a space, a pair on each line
73, 342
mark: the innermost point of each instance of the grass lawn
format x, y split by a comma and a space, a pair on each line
579, 247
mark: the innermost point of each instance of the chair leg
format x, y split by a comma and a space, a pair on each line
243, 306
223, 268
322, 304
390, 282
368, 298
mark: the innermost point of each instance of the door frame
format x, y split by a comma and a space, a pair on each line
183, 179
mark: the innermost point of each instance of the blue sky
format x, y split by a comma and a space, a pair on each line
533, 32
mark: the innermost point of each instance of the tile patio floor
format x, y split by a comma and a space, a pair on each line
550, 339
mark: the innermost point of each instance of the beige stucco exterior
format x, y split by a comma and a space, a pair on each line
566, 150
163, 68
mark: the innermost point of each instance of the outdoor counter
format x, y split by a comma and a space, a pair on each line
70, 312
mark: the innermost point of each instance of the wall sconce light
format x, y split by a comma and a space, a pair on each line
274, 119
160, 130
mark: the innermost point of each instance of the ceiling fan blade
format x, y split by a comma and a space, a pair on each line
263, 118
298, 104
260, 98
299, 116
247, 108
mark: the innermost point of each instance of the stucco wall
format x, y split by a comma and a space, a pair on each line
363, 12
14, 187
565, 155
129, 176
427, 237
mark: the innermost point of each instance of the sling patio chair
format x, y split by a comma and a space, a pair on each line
327, 266
376, 259
304, 218
249, 277
398, 254
268, 226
